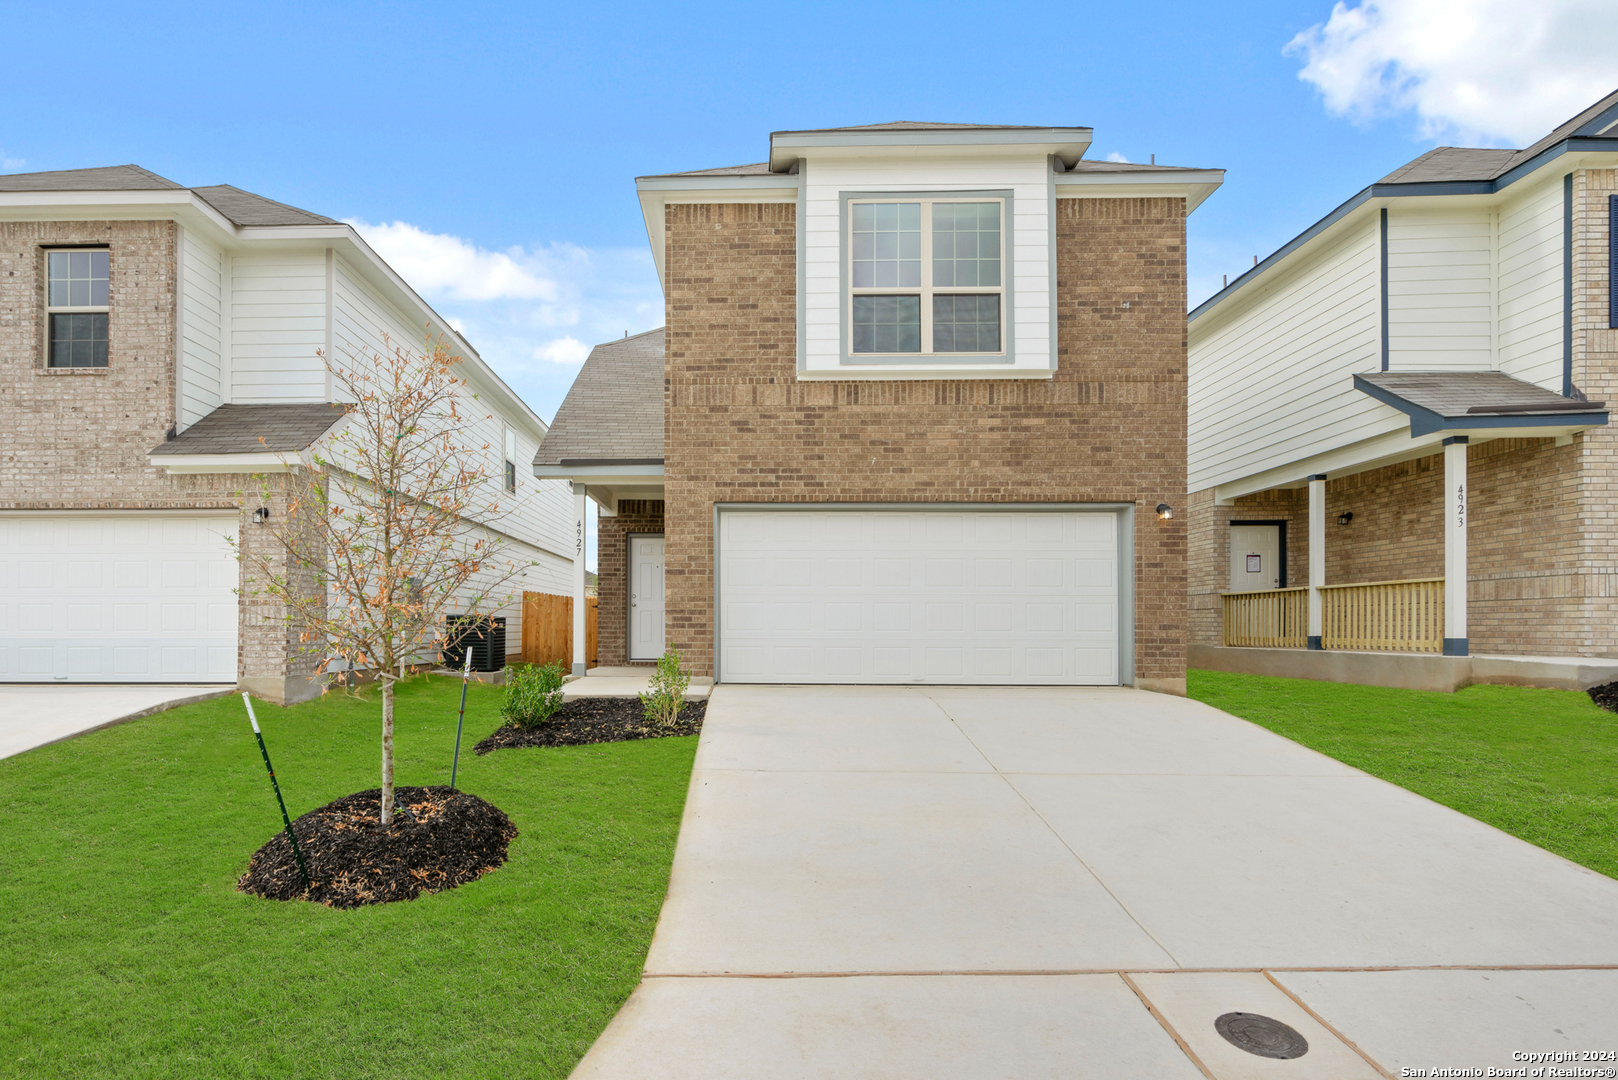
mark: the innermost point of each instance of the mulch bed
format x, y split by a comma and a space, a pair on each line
440, 838
584, 721
1605, 695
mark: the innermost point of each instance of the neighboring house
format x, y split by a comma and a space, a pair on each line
1414, 393
150, 336
918, 400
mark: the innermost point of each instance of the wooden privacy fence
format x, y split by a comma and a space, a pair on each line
547, 628
1384, 616
1268, 618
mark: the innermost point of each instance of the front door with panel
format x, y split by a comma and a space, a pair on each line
645, 597
1255, 557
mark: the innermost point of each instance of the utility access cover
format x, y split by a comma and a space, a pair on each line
1261, 1035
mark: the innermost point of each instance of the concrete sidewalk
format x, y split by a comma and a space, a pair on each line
962, 882
36, 714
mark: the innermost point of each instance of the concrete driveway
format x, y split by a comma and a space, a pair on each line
33, 714
963, 882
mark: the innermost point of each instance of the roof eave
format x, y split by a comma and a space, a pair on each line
1425, 421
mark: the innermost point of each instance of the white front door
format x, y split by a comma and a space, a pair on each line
917, 595
1255, 557
128, 598
645, 597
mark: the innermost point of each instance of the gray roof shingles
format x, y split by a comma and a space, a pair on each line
238, 429
1474, 393
1449, 163
238, 206
614, 410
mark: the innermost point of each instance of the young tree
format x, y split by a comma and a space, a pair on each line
383, 530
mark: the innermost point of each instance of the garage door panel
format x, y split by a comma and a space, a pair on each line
916, 596
118, 598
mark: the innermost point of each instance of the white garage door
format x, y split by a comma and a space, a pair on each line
117, 598
918, 596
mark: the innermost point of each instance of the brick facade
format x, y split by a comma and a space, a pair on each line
76, 439
635, 517
1109, 427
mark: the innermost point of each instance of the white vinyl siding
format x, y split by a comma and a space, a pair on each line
1271, 378
278, 322
1531, 286
202, 281
1440, 289
1027, 237
541, 513
912, 595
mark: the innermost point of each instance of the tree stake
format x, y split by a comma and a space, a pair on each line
466, 675
296, 854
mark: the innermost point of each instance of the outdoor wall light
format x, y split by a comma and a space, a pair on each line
1165, 511
261, 515
1344, 519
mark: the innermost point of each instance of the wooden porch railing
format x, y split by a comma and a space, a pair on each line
547, 628
1268, 618
1384, 616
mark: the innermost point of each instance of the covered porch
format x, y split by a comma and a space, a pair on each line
1379, 590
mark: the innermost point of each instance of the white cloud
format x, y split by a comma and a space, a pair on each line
1116, 156
1470, 70
9, 163
563, 350
532, 313
449, 266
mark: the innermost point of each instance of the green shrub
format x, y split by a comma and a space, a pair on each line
533, 693
667, 693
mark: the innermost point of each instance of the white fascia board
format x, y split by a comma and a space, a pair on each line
181, 204
1194, 187
265, 462
1069, 144
616, 476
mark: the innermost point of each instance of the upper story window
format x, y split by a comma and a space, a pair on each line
511, 460
76, 305
926, 277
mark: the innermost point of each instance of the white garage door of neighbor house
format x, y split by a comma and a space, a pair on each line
117, 598
918, 596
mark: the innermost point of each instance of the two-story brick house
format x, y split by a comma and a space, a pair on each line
1401, 464
917, 416
159, 347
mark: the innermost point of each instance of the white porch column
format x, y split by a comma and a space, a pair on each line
1317, 556
1455, 638
579, 662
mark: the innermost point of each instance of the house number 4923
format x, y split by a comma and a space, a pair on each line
1460, 506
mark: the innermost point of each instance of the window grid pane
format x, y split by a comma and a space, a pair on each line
79, 340
887, 245
966, 245
887, 324
966, 324
78, 278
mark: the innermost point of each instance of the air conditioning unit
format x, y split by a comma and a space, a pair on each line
484, 635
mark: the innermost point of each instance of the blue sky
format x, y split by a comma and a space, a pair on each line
489, 150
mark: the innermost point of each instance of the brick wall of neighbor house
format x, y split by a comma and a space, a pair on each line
1530, 592
1110, 427
76, 439
612, 569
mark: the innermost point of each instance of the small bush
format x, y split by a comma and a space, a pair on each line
533, 694
667, 693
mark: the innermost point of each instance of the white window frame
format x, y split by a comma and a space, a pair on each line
927, 290
67, 309
508, 440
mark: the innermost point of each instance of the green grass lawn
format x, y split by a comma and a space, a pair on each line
125, 949
1539, 764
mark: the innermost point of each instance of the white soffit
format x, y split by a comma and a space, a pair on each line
1194, 187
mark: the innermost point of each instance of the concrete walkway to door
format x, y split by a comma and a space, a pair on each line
966, 882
